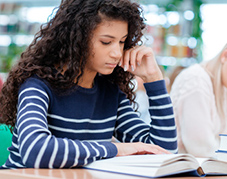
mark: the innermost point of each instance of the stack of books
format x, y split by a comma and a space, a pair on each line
221, 153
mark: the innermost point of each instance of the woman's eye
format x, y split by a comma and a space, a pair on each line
122, 42
105, 43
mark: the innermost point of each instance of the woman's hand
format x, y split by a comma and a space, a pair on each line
140, 61
139, 148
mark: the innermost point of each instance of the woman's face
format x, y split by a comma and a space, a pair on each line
107, 46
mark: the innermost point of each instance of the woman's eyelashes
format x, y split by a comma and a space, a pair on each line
107, 43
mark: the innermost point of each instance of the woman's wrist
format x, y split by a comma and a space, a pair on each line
153, 77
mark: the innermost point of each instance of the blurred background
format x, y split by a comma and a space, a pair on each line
181, 32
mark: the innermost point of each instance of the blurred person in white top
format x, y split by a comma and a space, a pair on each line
199, 96
142, 100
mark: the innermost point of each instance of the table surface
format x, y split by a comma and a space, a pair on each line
75, 174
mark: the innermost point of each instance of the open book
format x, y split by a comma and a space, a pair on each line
153, 166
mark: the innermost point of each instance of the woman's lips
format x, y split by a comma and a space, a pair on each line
111, 65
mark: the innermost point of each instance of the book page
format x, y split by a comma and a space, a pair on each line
201, 160
151, 159
146, 171
213, 166
147, 165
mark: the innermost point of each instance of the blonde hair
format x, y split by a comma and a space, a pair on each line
214, 68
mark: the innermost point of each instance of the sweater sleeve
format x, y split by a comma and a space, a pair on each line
38, 147
162, 131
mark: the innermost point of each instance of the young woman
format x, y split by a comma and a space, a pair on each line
71, 90
199, 96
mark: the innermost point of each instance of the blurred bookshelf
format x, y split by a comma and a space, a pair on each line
33, 3
17, 28
173, 29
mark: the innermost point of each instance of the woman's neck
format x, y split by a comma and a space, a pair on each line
86, 83
87, 80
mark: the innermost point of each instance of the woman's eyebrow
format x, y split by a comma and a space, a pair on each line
125, 36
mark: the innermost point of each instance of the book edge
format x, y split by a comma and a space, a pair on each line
191, 172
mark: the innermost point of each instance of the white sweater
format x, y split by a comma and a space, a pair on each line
197, 120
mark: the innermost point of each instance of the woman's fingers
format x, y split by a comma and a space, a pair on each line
140, 61
155, 149
139, 148
133, 59
130, 58
126, 59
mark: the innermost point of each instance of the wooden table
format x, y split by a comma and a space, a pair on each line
75, 174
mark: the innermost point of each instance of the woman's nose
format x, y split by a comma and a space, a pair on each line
116, 52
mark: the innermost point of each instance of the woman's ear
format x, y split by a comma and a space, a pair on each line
224, 56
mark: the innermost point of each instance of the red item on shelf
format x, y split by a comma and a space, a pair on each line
1, 83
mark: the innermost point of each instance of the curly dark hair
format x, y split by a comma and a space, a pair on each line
64, 40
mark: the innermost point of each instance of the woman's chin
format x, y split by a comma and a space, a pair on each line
107, 72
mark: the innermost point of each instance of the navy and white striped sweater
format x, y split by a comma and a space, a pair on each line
71, 130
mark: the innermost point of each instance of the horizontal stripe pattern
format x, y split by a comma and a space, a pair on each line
162, 130
54, 131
